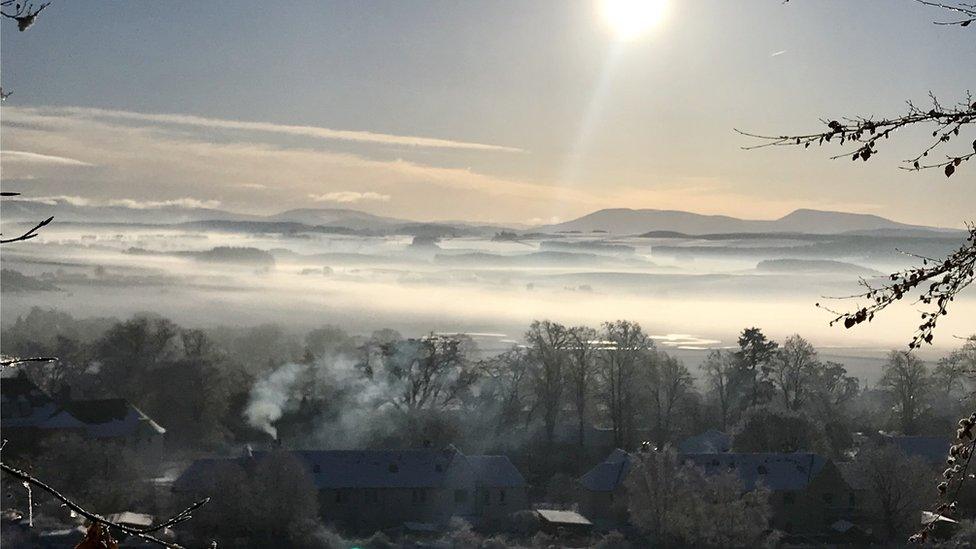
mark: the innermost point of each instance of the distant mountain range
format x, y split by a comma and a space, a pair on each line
623, 221
26, 210
616, 221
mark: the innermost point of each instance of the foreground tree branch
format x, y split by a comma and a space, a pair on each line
940, 280
144, 534
959, 457
24, 13
968, 12
30, 233
863, 135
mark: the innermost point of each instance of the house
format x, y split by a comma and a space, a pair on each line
29, 415
808, 492
603, 497
368, 490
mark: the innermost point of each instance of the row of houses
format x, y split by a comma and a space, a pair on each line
369, 490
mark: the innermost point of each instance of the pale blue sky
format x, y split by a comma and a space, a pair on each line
519, 75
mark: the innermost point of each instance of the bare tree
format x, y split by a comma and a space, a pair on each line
831, 389
792, 368
622, 354
896, 487
906, 380
582, 348
952, 372
547, 343
432, 372
507, 376
671, 383
720, 370
675, 504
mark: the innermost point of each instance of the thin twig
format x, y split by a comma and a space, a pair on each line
140, 533
29, 234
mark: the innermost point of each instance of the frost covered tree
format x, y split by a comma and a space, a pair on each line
674, 503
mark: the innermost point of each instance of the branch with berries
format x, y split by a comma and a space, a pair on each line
939, 281
959, 456
101, 527
864, 135
967, 11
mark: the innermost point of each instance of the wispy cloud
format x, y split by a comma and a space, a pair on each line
150, 167
316, 132
188, 203
349, 197
37, 158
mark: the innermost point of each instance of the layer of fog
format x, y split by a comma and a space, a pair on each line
694, 302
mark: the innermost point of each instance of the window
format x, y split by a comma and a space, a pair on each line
342, 496
501, 495
460, 496
394, 468
762, 469
418, 495
439, 468
316, 468
851, 500
486, 496
372, 495
789, 498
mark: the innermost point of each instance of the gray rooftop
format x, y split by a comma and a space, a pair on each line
338, 469
776, 471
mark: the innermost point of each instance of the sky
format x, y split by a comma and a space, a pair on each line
505, 112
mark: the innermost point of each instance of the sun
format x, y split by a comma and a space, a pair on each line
629, 19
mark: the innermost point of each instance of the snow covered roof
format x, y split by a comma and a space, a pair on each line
24, 405
563, 517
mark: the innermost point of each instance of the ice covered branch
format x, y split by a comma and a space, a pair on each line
938, 281
144, 534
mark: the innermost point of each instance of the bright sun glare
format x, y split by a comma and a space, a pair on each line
629, 19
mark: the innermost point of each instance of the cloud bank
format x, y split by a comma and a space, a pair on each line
349, 197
